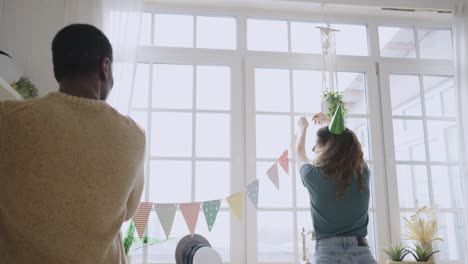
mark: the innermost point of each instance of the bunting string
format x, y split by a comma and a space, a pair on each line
166, 211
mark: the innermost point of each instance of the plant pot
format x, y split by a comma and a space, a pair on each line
129, 259
324, 106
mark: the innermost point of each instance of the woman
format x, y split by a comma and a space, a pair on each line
338, 185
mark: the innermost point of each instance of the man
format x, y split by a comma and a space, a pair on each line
71, 167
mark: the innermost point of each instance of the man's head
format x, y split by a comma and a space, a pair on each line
81, 51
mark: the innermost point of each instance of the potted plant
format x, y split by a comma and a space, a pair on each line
423, 253
330, 101
423, 227
25, 88
396, 253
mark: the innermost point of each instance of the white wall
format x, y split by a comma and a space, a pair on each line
26, 34
1, 16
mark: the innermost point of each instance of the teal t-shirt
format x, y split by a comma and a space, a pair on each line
332, 217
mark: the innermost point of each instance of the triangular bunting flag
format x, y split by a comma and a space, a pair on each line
210, 209
141, 217
166, 213
252, 192
273, 175
190, 212
284, 161
236, 201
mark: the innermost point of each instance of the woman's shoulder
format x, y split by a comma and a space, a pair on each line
308, 168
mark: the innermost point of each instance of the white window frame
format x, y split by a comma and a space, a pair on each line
242, 62
312, 62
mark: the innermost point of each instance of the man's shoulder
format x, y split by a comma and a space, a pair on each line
9, 106
135, 125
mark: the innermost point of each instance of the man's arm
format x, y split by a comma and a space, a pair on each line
135, 196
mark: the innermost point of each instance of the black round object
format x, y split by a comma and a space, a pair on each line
187, 247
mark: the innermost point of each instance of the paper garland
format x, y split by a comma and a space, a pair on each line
236, 201
210, 210
166, 214
273, 175
141, 217
284, 161
190, 212
252, 192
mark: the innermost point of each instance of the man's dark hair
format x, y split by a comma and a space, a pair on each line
78, 49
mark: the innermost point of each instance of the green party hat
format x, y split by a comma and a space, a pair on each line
337, 125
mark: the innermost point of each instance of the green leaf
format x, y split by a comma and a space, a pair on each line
26, 88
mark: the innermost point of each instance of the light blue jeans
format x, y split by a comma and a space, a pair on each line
341, 250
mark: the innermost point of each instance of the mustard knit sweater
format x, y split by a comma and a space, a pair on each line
71, 172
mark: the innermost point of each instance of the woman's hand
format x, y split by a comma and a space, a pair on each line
302, 123
320, 118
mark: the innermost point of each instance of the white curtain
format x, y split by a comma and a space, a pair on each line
120, 21
460, 36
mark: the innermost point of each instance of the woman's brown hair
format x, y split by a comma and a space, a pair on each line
340, 158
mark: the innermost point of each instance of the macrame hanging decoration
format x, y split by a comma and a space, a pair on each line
329, 78
332, 97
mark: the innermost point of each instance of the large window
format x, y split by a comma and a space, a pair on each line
219, 95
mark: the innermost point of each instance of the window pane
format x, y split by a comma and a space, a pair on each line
267, 35
123, 77
439, 93
371, 185
213, 87
216, 32
403, 227
141, 86
413, 187
351, 40
372, 235
173, 30
268, 195
435, 44
307, 91
273, 135
397, 42
171, 135
165, 181
405, 95
305, 37
452, 230
275, 237
446, 184
354, 86
145, 29
408, 136
304, 220
443, 143
212, 180
213, 135
219, 237
272, 90
141, 118
360, 127
172, 86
